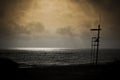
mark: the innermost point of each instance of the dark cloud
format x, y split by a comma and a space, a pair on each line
16, 29
35, 28
109, 8
8, 7
11, 11
110, 15
68, 31
110, 11
72, 31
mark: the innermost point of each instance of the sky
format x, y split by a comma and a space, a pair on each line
58, 23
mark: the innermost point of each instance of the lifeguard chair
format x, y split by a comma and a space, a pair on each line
95, 45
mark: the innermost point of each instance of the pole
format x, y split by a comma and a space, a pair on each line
97, 51
95, 45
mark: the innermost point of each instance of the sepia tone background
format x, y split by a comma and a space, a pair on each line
58, 23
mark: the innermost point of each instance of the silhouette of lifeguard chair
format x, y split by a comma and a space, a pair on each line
95, 45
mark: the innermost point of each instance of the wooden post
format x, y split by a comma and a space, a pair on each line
95, 45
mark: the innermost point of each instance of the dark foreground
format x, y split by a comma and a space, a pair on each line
10, 70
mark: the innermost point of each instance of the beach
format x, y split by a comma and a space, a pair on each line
11, 71
55, 65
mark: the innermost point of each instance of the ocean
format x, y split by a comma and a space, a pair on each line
47, 57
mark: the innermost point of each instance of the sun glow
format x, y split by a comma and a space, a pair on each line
40, 49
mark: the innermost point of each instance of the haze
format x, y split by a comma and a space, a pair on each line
58, 23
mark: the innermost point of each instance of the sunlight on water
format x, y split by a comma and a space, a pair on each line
41, 49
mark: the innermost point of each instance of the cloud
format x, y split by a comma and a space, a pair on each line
10, 11
17, 30
8, 8
71, 18
35, 29
16, 13
110, 11
68, 31
74, 31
